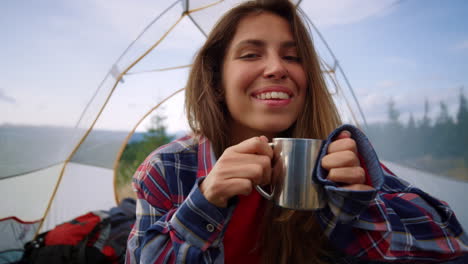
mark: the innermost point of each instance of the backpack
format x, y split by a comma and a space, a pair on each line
122, 218
79, 241
95, 237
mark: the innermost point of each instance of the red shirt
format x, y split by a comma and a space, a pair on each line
242, 234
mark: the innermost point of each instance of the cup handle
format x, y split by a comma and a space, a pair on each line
263, 193
260, 190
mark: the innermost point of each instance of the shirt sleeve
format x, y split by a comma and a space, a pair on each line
394, 222
167, 232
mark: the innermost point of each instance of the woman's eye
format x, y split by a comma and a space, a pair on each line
292, 58
249, 56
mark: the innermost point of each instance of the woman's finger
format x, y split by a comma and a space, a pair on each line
220, 192
358, 187
342, 145
255, 145
238, 186
349, 175
344, 134
340, 159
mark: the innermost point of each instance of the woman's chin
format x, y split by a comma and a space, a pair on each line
275, 129
270, 128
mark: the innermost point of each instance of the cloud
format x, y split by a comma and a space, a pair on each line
462, 45
408, 100
341, 12
6, 98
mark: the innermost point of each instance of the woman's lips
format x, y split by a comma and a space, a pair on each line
273, 102
274, 96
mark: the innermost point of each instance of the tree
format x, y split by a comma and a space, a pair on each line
424, 143
462, 114
157, 135
462, 126
425, 130
135, 152
393, 113
444, 116
411, 123
412, 140
444, 130
393, 133
426, 120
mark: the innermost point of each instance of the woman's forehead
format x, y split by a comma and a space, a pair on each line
258, 29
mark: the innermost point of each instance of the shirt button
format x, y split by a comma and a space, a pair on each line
210, 228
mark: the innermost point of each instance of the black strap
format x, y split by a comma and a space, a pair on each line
84, 242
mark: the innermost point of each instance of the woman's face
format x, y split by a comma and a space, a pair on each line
263, 78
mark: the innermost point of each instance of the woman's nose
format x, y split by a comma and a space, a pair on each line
275, 68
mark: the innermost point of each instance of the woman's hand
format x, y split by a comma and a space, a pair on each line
238, 169
342, 163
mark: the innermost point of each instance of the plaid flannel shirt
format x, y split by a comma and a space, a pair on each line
394, 222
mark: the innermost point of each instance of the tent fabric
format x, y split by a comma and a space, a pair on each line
10, 256
15, 233
26, 196
82, 188
57, 142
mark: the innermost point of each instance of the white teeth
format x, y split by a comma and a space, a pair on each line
272, 95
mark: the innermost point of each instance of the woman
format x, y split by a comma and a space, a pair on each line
258, 77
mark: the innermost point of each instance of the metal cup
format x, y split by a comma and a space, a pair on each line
292, 184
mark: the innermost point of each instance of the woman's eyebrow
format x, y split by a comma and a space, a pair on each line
251, 42
288, 44
261, 43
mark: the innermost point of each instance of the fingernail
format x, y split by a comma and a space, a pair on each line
347, 132
264, 139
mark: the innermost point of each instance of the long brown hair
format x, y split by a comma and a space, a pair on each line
288, 236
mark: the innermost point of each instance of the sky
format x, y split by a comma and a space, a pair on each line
55, 54
408, 52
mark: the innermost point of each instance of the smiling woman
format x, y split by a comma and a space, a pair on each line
258, 77
264, 81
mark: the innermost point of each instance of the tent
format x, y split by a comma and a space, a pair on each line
67, 121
